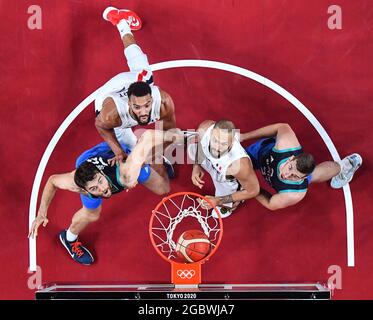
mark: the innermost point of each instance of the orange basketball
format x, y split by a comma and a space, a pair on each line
193, 246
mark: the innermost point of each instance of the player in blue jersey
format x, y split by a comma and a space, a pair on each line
288, 170
95, 179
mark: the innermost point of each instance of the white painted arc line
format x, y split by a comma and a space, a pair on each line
260, 79
41, 168
203, 64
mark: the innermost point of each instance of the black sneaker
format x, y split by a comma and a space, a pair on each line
76, 250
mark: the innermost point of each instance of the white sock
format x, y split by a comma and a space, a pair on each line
70, 236
123, 28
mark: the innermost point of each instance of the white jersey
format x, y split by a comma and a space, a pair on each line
217, 167
117, 88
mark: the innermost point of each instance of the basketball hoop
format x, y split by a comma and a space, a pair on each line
173, 216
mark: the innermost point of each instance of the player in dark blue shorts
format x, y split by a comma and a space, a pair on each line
288, 170
96, 180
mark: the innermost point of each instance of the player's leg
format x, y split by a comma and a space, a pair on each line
340, 172
89, 213
325, 171
81, 219
125, 21
158, 181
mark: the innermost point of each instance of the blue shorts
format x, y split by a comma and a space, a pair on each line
257, 150
103, 150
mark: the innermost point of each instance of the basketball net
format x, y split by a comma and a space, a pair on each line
175, 214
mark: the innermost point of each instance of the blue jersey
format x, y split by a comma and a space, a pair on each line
98, 155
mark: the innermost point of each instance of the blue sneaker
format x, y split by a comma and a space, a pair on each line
169, 168
76, 250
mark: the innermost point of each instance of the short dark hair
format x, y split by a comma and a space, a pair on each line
225, 125
139, 89
85, 173
305, 163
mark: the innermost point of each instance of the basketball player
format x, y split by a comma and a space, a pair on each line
288, 170
130, 98
95, 180
220, 153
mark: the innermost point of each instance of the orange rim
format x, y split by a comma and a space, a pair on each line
216, 246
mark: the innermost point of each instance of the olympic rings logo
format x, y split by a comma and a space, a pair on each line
186, 274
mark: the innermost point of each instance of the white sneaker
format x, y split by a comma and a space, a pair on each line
224, 212
349, 165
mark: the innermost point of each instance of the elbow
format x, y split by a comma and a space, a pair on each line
272, 208
102, 125
256, 191
51, 179
284, 126
97, 123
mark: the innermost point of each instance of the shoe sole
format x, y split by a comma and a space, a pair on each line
360, 162
106, 12
84, 264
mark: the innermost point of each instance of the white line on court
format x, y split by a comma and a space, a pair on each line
202, 64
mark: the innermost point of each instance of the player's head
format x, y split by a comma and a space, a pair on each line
140, 101
298, 167
91, 179
222, 136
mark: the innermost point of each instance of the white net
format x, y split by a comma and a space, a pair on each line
169, 221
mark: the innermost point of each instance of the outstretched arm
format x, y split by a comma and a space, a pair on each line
279, 200
63, 181
273, 130
149, 145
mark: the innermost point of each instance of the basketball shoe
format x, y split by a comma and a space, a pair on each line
349, 165
115, 15
76, 250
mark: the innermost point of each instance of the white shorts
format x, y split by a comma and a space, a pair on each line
117, 87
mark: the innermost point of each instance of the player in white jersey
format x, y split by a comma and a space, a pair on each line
220, 153
130, 98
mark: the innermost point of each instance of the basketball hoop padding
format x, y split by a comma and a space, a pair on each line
186, 273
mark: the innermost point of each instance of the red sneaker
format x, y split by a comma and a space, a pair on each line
115, 15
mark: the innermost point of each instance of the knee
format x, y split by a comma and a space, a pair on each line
92, 215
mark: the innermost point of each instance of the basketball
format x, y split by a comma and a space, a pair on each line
193, 246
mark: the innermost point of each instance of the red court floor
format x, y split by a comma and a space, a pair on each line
46, 73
